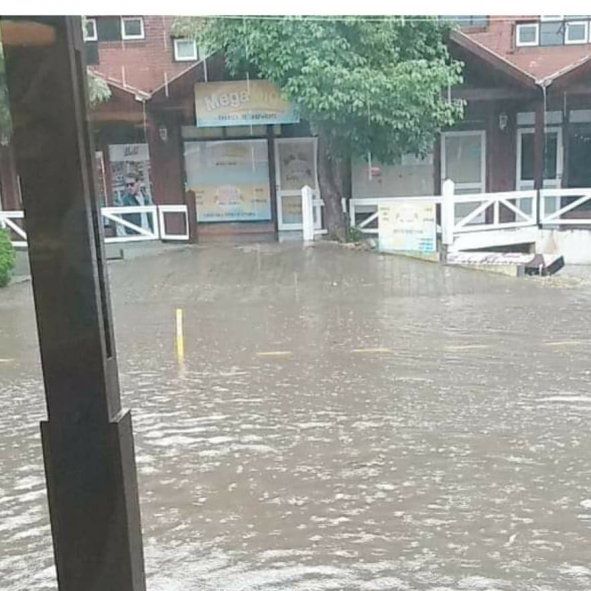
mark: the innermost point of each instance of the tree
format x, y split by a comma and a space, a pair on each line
370, 87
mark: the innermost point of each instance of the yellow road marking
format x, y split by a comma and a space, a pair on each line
5, 360
373, 350
273, 353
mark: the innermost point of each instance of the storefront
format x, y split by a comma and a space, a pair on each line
242, 163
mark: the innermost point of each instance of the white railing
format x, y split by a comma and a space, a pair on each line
126, 224
554, 210
175, 210
494, 211
363, 211
7, 222
133, 223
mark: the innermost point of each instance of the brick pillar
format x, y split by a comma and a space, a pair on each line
163, 136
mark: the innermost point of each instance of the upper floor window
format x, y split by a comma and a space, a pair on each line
132, 27
185, 50
554, 30
90, 33
468, 20
576, 32
527, 34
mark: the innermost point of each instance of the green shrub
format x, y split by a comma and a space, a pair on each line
7, 258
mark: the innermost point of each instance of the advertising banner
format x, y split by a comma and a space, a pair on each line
407, 226
230, 180
241, 102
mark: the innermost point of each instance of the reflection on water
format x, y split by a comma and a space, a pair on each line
421, 429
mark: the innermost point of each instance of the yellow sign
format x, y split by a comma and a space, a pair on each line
241, 102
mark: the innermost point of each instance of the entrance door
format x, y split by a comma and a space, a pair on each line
463, 160
295, 162
552, 164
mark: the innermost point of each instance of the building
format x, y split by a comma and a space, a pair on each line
527, 123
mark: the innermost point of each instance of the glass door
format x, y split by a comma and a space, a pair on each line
552, 164
463, 160
295, 161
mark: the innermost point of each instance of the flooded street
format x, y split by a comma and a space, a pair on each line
341, 421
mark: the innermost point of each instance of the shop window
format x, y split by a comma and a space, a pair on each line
576, 32
185, 50
527, 34
552, 33
132, 27
90, 32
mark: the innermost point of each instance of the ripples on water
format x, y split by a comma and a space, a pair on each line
453, 457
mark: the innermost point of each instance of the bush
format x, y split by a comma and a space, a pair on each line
7, 258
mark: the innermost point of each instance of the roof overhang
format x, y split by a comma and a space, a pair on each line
522, 78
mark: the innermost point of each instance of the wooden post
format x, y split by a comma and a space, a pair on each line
539, 152
272, 177
87, 439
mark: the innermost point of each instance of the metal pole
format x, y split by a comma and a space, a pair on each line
87, 439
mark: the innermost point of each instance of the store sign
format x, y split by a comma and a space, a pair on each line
241, 102
407, 226
230, 180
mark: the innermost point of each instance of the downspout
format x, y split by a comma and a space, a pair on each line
540, 147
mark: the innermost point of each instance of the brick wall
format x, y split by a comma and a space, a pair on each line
143, 63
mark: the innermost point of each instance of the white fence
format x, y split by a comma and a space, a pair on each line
482, 212
120, 224
565, 207
8, 221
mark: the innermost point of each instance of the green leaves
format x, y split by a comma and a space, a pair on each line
378, 83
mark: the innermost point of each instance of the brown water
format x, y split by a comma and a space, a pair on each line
342, 421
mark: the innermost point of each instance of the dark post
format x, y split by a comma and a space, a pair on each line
539, 149
272, 177
87, 439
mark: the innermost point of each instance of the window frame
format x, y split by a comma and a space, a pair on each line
567, 26
93, 37
126, 37
177, 58
534, 43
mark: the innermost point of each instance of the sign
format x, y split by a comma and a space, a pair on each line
126, 159
407, 226
241, 102
230, 180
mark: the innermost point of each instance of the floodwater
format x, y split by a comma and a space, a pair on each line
342, 420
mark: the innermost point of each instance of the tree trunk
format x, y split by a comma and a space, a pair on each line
330, 179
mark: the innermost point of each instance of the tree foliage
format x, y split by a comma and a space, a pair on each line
376, 83
366, 85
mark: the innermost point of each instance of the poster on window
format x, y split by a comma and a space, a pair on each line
230, 180
297, 166
131, 186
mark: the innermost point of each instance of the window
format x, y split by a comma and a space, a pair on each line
185, 50
552, 33
132, 27
576, 32
90, 33
527, 34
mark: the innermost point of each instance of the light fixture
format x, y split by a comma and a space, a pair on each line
503, 121
163, 133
